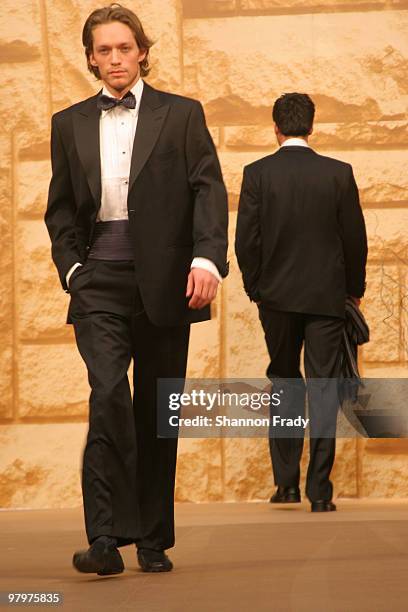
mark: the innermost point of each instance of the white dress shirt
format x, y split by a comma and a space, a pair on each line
295, 142
117, 128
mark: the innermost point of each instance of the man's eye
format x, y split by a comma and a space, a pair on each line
125, 49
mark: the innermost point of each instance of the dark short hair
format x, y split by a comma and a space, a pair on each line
293, 113
107, 14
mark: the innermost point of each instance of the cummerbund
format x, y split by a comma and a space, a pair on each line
112, 241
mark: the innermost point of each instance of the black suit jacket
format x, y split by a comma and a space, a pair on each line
301, 241
177, 201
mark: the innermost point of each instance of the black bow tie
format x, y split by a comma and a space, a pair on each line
106, 102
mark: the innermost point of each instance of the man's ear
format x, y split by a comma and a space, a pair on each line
92, 60
275, 127
311, 131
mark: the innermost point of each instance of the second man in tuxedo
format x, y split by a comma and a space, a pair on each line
137, 215
301, 246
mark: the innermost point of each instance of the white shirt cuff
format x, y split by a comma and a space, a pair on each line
206, 264
70, 271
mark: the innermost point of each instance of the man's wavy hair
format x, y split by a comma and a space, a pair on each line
294, 113
107, 14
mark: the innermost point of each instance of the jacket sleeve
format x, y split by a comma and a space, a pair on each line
60, 214
248, 234
210, 219
354, 236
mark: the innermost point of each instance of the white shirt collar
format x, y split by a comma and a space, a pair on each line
136, 90
295, 142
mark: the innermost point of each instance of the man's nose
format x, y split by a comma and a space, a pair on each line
115, 56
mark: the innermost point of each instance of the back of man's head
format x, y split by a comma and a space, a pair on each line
293, 114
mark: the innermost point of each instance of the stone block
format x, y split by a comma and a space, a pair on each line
246, 354
247, 469
299, 53
383, 468
199, 470
387, 236
205, 8
33, 181
380, 175
315, 6
344, 474
204, 349
34, 146
381, 307
404, 318
7, 279
371, 370
162, 20
43, 303
218, 8
326, 136
215, 135
52, 382
23, 74
21, 22
40, 465
69, 79
232, 165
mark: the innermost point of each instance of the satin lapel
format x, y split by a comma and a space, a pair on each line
86, 134
152, 114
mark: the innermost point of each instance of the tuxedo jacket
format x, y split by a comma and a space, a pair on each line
301, 241
177, 202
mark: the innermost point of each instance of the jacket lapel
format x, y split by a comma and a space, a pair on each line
86, 134
152, 113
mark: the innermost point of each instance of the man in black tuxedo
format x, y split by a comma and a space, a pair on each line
302, 248
137, 215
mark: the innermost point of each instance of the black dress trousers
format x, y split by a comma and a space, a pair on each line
285, 334
128, 473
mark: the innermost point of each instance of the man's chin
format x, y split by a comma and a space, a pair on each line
119, 82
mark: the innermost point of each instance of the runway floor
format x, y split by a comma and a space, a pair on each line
242, 557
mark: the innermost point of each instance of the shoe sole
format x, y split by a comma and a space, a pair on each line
286, 501
323, 510
151, 568
155, 571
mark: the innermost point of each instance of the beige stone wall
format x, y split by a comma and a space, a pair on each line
236, 56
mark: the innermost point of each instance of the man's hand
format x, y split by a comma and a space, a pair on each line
201, 287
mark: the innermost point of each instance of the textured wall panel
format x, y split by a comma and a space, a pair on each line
49, 475
354, 68
6, 271
42, 303
53, 382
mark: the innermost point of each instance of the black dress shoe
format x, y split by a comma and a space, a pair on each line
323, 506
102, 558
153, 560
286, 495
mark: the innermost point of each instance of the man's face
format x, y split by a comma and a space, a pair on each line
116, 54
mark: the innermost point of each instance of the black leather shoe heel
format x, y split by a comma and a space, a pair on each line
286, 495
153, 560
323, 506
